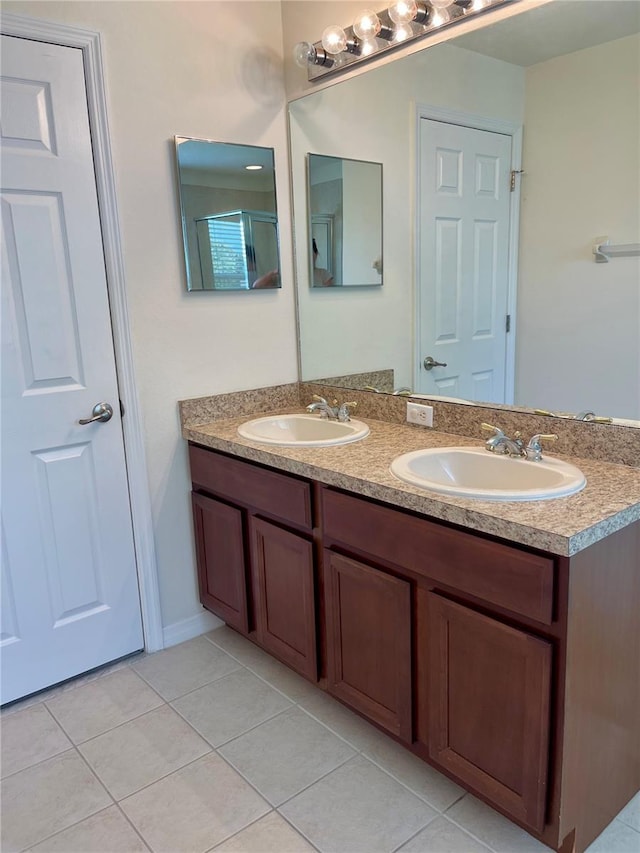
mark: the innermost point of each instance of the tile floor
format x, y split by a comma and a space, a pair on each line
213, 745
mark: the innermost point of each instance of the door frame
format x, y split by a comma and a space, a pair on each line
89, 43
494, 125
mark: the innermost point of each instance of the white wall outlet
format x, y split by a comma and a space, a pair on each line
420, 414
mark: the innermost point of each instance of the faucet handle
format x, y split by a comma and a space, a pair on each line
494, 429
343, 411
319, 399
534, 448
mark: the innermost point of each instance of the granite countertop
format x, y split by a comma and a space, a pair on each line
564, 526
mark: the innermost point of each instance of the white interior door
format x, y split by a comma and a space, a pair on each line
464, 202
70, 598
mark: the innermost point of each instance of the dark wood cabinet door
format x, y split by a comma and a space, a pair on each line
220, 557
369, 642
488, 706
284, 596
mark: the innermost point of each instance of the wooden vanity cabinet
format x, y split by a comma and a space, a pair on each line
369, 642
513, 671
254, 553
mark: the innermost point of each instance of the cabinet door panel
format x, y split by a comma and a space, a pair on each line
369, 642
221, 561
488, 706
284, 596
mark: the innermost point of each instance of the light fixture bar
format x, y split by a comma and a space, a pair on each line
427, 19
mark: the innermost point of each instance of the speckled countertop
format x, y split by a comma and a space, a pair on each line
609, 502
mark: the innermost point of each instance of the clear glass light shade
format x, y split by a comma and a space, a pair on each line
440, 4
303, 53
334, 40
366, 25
403, 11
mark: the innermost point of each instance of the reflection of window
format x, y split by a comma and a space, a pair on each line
236, 248
227, 246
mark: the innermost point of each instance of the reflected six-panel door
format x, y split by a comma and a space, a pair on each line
70, 599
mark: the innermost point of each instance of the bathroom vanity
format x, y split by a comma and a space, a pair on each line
499, 643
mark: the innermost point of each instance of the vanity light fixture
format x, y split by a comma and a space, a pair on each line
374, 33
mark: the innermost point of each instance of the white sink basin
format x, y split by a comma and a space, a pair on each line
302, 431
469, 472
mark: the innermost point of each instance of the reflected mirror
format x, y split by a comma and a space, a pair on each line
228, 214
345, 221
499, 288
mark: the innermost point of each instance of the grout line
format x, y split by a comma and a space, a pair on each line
299, 831
133, 826
38, 763
235, 737
164, 776
229, 837
66, 828
192, 690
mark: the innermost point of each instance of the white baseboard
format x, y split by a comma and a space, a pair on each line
187, 629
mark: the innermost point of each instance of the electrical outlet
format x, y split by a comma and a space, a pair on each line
420, 414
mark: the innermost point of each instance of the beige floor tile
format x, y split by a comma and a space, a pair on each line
195, 808
442, 836
270, 834
618, 837
230, 706
42, 800
143, 750
180, 669
294, 686
237, 646
30, 736
106, 832
492, 828
630, 814
285, 754
358, 732
104, 704
436, 789
358, 807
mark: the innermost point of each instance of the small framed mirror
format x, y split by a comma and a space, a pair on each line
345, 221
228, 214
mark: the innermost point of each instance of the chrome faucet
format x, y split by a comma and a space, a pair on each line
501, 443
333, 412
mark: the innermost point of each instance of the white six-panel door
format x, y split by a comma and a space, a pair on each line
464, 253
70, 598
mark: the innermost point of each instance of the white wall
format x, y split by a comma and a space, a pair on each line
169, 71
376, 324
578, 342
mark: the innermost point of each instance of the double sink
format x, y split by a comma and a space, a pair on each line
469, 472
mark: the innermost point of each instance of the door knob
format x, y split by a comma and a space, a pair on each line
101, 412
430, 363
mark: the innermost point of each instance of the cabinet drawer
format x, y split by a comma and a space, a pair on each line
506, 576
278, 495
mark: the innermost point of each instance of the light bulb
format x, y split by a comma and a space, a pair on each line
334, 40
366, 25
479, 4
303, 53
403, 11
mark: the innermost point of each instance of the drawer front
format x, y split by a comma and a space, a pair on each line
502, 575
278, 495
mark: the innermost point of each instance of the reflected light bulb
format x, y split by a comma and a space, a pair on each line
401, 33
303, 53
403, 11
366, 25
368, 46
440, 16
440, 4
479, 4
334, 40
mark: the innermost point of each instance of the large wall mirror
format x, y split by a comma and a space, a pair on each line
500, 289
345, 221
228, 215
